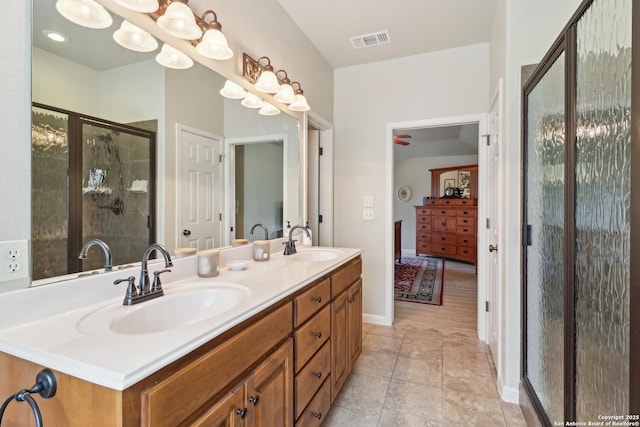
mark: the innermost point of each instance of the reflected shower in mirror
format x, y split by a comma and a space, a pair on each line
94, 76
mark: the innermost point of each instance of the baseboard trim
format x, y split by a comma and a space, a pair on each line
508, 394
375, 319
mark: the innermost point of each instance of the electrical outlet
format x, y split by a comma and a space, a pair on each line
14, 264
367, 201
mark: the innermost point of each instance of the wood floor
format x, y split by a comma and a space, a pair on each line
458, 310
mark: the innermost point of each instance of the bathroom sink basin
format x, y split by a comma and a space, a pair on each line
180, 306
317, 255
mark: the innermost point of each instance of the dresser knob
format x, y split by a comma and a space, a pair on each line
317, 334
317, 415
318, 299
254, 400
242, 412
317, 374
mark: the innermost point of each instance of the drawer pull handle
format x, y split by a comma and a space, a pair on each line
317, 334
254, 400
242, 412
317, 415
318, 299
317, 374
443, 249
443, 212
443, 238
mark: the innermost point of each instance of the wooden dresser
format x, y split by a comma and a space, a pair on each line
448, 228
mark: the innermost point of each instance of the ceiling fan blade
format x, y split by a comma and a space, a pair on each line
400, 142
402, 136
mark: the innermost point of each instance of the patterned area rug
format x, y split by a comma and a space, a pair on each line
419, 280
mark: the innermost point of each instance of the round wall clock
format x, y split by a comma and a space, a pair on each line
404, 193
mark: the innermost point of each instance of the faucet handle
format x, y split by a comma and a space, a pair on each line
132, 291
157, 285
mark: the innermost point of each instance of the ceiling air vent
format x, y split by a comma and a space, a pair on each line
372, 39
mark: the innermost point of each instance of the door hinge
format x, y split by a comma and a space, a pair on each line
321, 151
526, 235
220, 157
488, 224
220, 216
488, 138
486, 306
319, 219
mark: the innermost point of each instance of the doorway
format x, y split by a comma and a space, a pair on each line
396, 180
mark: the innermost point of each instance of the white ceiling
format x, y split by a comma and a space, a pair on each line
458, 140
415, 26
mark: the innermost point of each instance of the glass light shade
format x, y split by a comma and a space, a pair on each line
55, 36
285, 94
252, 101
300, 104
214, 45
267, 82
134, 38
144, 6
171, 57
178, 20
269, 110
232, 90
86, 13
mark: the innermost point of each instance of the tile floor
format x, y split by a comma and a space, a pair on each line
412, 376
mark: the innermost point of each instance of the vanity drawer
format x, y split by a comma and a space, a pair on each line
341, 279
318, 408
311, 377
311, 301
310, 337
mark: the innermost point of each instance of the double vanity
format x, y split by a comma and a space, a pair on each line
269, 345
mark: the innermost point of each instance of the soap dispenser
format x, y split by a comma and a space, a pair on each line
307, 240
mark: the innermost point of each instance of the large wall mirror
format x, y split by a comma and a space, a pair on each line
92, 76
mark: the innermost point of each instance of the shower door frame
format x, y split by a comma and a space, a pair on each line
566, 42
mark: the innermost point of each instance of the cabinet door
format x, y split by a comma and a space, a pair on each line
340, 357
355, 322
230, 411
270, 390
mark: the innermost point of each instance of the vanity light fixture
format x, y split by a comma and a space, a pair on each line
300, 104
252, 101
144, 6
269, 110
134, 38
214, 44
232, 90
285, 95
86, 13
171, 57
267, 82
179, 21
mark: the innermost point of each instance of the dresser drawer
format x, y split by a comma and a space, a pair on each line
423, 247
439, 238
466, 240
466, 230
444, 211
465, 251
423, 219
311, 377
466, 212
318, 408
423, 211
420, 227
312, 300
310, 337
466, 221
423, 236
443, 249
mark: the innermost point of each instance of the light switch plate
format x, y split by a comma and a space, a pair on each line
14, 260
367, 201
367, 214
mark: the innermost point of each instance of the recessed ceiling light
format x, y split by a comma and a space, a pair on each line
55, 36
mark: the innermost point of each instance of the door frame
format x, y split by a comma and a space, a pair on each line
183, 128
323, 184
482, 120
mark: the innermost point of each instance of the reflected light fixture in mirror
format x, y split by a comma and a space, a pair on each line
269, 110
171, 57
86, 13
232, 90
285, 95
300, 104
144, 6
252, 101
267, 82
179, 21
134, 38
214, 44
56, 36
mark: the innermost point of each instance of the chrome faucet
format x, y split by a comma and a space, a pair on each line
146, 292
290, 246
105, 250
266, 232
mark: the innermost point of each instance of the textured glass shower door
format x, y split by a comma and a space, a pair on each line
544, 254
602, 209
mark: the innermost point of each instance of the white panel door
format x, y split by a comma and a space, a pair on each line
199, 190
493, 195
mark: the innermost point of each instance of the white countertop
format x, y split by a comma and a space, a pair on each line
39, 324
